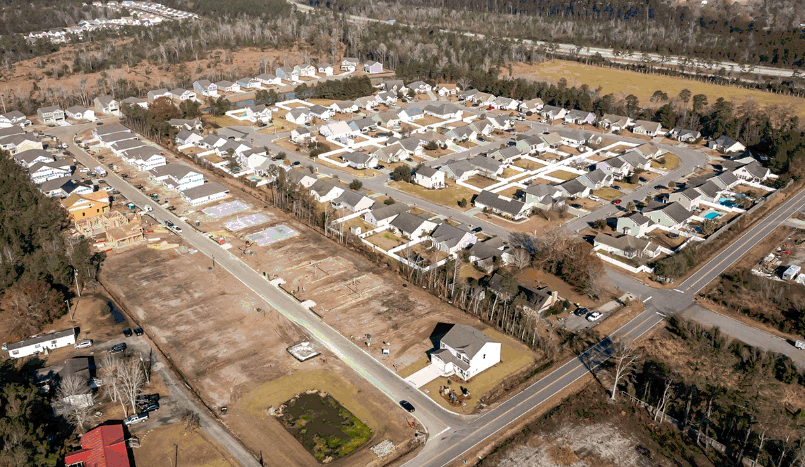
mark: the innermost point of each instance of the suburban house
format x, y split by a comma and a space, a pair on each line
305, 177
301, 135
373, 67
446, 89
43, 171
325, 190
411, 226
419, 87
336, 130
350, 64
614, 123
85, 206
298, 116
50, 114
267, 79
411, 114
20, 143
685, 136
79, 112
627, 246
185, 123
487, 165
550, 112
544, 196
106, 105
145, 158
574, 138
502, 205
452, 239
386, 98
343, 107
596, 179
468, 95
359, 160
461, 134
505, 103
753, 172
389, 118
412, 145
157, 93
32, 156
63, 187
381, 215
123, 146
580, 117
429, 177
464, 351
181, 94
536, 299
460, 170
306, 69
320, 112
287, 73
105, 446
135, 101
507, 155
178, 176
227, 86
15, 117
672, 215
11, 131
644, 127
688, 198
37, 344
257, 113
443, 111
724, 144
649, 150
325, 69
532, 105
482, 127
635, 224
366, 102
394, 85
205, 88
353, 201
391, 154
485, 254
529, 144
574, 188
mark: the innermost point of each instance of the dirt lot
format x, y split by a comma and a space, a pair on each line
194, 448
230, 353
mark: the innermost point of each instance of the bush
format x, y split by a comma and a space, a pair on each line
402, 174
355, 185
389, 201
431, 146
462, 203
281, 156
676, 265
599, 224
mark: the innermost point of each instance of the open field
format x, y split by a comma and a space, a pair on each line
448, 196
194, 448
562, 175
667, 161
621, 83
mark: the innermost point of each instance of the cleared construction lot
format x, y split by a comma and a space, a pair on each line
235, 356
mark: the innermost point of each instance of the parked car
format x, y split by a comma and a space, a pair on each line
594, 198
138, 331
594, 316
117, 348
150, 407
136, 418
175, 229
580, 311
83, 344
407, 406
616, 202
127, 332
147, 398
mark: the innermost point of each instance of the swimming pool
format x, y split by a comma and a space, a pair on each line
711, 215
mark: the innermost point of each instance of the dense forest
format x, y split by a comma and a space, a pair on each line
21, 17
38, 263
724, 31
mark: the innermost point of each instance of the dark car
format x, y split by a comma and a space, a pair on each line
407, 406
147, 398
580, 312
150, 407
127, 332
118, 348
169, 223
138, 331
296, 163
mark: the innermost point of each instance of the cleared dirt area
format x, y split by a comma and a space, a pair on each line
621, 82
230, 352
194, 448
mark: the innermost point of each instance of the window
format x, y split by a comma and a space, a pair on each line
15, 352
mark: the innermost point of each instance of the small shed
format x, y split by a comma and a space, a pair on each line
791, 272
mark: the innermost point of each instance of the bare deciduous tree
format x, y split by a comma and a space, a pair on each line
131, 379
521, 258
625, 355
74, 401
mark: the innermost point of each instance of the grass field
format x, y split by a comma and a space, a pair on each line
563, 175
195, 449
449, 196
621, 83
671, 162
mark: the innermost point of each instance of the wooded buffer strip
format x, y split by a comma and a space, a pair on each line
771, 36
38, 264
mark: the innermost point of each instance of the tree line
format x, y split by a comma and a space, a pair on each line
40, 264
339, 89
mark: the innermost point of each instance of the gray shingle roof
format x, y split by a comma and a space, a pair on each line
466, 339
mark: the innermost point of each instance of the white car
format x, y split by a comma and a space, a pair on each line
136, 418
594, 198
594, 316
83, 344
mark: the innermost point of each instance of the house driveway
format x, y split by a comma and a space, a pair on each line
423, 376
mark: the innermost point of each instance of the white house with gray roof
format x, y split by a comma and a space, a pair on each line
381, 215
429, 177
502, 205
465, 352
451, 239
411, 226
41, 343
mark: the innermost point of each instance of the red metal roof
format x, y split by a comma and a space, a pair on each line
104, 446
